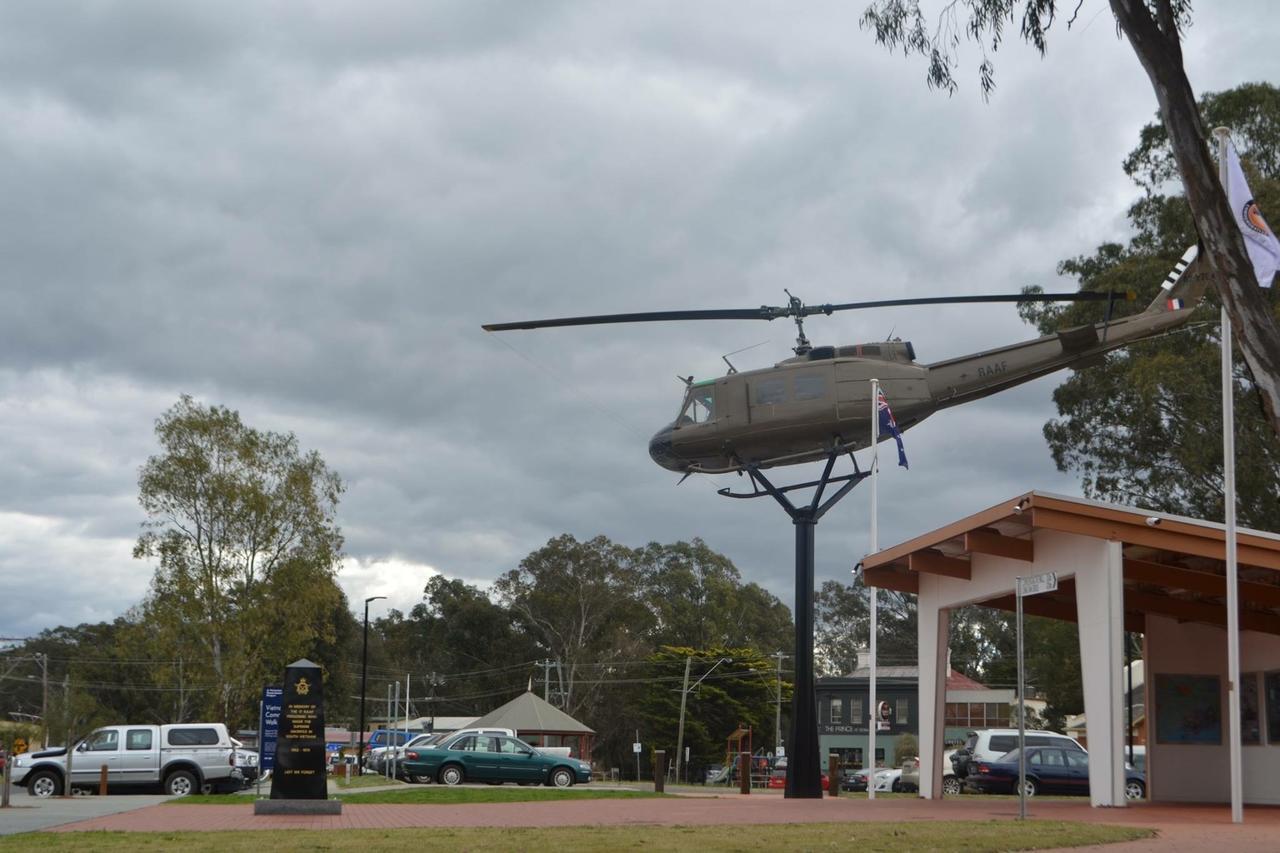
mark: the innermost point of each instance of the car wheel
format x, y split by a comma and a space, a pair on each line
896, 787
1134, 790
951, 786
44, 784
180, 783
561, 777
1029, 787
451, 774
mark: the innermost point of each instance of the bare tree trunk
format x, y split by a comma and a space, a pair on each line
1257, 333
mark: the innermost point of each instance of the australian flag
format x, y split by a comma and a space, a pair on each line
889, 426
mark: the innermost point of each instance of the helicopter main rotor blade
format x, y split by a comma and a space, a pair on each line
1082, 296
641, 317
769, 312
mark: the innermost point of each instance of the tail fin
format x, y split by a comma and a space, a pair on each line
1179, 290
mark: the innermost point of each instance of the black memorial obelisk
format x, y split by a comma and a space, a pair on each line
299, 772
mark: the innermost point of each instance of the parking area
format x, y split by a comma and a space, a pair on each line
30, 814
1183, 827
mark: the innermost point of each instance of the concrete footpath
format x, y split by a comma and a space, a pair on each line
1181, 827
29, 814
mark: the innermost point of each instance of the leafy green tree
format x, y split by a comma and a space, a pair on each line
1154, 30
906, 749
242, 525
1144, 426
578, 600
1052, 654
842, 626
698, 599
467, 651
741, 691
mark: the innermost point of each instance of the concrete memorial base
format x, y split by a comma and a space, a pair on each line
272, 807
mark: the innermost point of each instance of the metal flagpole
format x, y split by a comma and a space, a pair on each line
873, 716
1229, 512
1022, 711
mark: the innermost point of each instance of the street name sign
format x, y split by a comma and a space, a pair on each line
1036, 584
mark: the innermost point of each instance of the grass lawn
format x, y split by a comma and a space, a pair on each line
441, 795
369, 780
966, 836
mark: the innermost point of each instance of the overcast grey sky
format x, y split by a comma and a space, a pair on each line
304, 212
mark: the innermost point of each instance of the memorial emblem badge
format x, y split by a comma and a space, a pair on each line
302, 687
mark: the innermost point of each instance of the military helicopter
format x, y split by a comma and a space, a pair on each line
818, 402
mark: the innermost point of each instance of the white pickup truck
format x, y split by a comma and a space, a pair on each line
179, 759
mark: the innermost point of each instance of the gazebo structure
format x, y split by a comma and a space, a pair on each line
539, 723
1119, 568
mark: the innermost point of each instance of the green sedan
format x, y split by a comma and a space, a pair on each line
494, 759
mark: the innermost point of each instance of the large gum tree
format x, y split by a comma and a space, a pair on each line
1154, 29
241, 523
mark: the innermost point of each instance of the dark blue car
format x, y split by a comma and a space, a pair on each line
1049, 771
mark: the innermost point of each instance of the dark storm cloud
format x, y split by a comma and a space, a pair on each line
305, 211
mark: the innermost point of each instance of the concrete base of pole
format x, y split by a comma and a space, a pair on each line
274, 807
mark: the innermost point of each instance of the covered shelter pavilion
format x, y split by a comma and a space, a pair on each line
1119, 569
539, 723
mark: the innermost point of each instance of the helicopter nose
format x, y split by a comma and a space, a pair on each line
660, 450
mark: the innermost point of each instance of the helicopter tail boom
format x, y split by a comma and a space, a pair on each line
974, 376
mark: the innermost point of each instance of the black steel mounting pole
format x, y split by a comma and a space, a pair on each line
804, 778
804, 766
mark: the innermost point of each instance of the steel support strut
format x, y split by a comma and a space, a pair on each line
804, 770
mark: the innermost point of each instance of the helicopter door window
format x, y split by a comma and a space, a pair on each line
701, 406
811, 387
770, 391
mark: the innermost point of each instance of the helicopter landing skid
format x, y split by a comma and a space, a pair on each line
804, 771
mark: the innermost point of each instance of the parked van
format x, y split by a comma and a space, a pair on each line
990, 744
179, 759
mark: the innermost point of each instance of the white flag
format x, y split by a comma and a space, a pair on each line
1264, 248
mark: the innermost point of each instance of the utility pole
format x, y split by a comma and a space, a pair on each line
684, 698
66, 705
777, 723
434, 680
684, 694
546, 680
44, 698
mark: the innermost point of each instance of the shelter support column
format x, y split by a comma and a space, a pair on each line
1100, 612
933, 630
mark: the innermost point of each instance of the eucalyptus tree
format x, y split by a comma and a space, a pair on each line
1154, 30
242, 526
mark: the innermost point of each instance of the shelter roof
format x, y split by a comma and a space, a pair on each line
1173, 565
530, 713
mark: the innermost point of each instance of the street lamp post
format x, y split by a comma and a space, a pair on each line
684, 695
364, 677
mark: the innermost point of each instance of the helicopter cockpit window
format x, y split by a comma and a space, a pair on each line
811, 386
699, 406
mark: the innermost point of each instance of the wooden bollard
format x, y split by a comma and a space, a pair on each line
744, 773
833, 775
659, 770
102, 781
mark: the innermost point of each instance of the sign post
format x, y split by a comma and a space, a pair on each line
635, 747
1029, 585
268, 730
